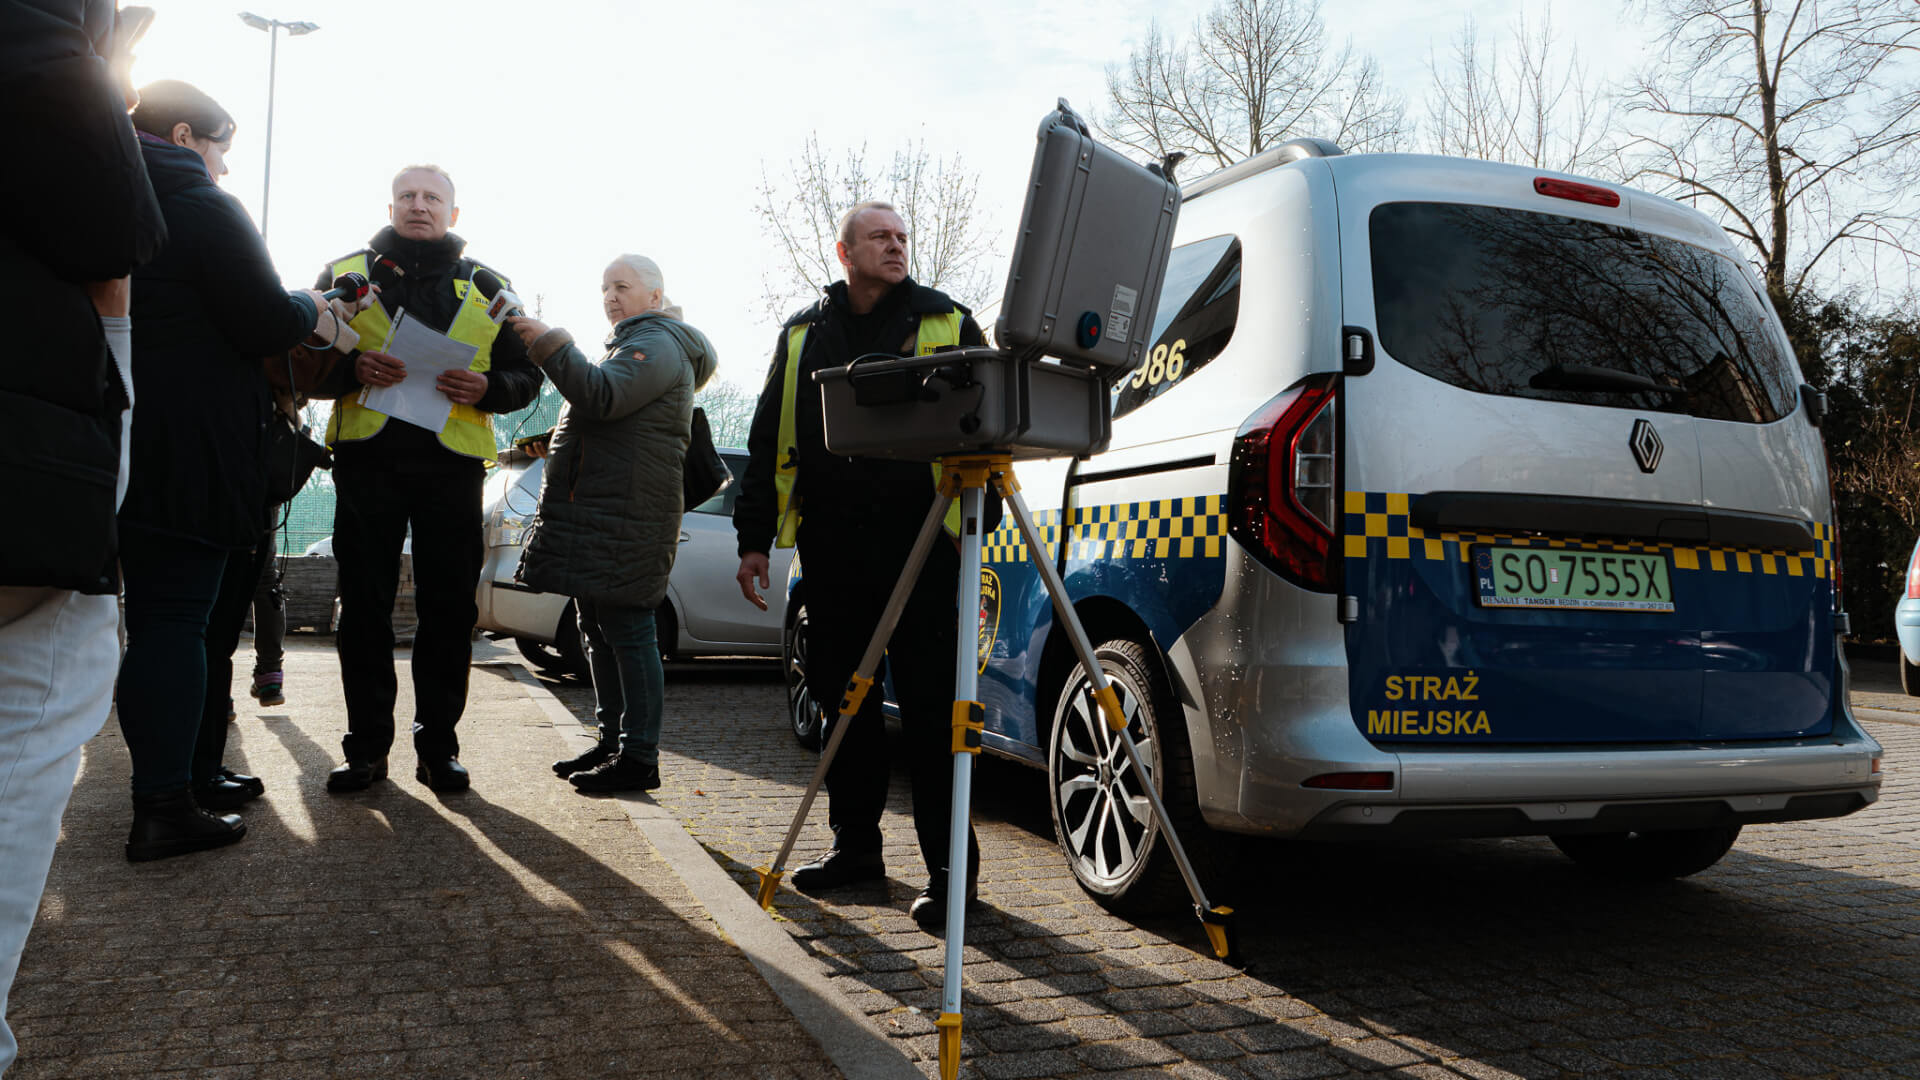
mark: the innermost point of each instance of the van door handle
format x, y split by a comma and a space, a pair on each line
685, 536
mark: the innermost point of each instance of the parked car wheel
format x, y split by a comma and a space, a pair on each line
804, 715
1649, 856
1909, 676
666, 632
564, 656
1101, 816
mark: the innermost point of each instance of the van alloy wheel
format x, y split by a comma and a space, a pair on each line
1101, 816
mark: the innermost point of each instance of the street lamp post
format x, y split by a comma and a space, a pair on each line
273, 28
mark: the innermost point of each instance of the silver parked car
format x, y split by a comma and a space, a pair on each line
703, 615
1906, 626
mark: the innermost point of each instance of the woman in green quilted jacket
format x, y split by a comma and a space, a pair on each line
609, 518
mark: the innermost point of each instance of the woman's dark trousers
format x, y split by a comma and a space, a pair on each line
629, 686
171, 585
223, 639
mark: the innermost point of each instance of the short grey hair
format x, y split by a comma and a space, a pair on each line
650, 277
645, 269
847, 219
434, 169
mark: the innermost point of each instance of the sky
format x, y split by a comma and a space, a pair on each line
576, 130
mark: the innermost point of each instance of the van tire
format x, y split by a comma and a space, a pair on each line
805, 717
1648, 856
1909, 675
1124, 865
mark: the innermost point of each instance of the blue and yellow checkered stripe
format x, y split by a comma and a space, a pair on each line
1377, 526
1156, 529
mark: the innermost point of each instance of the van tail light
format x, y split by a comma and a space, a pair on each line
1282, 484
1567, 189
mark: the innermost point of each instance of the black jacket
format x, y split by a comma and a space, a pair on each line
205, 311
835, 488
76, 209
418, 275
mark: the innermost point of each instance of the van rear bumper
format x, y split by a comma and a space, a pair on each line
1525, 792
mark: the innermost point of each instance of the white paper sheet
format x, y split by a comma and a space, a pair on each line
426, 352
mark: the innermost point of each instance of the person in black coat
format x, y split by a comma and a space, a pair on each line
76, 216
205, 311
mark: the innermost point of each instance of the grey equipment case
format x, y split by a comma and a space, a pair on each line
1074, 320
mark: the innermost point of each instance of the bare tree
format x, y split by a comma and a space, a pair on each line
729, 408
1796, 122
949, 244
1253, 74
1525, 104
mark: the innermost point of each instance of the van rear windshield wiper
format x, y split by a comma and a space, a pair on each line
1588, 377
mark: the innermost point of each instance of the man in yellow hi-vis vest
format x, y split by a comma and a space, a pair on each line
860, 519
392, 477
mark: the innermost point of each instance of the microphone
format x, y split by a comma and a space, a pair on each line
501, 301
350, 287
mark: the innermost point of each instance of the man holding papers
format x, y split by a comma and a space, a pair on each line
411, 428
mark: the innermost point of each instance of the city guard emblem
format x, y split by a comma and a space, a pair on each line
989, 614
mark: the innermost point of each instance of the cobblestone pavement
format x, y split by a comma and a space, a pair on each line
1794, 957
515, 930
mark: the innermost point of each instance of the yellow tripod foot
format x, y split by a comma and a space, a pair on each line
949, 1025
1222, 933
769, 884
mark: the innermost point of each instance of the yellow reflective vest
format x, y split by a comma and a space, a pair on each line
937, 331
468, 430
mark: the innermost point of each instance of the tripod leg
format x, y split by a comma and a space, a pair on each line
967, 717
856, 691
1217, 922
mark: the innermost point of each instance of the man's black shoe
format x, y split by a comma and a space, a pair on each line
357, 775
839, 868
442, 774
251, 783
221, 795
618, 773
929, 909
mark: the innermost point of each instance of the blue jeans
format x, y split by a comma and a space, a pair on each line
629, 687
171, 586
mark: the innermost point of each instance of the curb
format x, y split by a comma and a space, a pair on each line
858, 1049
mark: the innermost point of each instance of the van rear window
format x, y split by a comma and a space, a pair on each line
1549, 307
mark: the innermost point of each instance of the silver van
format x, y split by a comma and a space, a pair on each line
1455, 499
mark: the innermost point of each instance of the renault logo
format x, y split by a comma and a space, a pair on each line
1646, 445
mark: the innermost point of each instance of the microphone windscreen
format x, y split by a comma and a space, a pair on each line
487, 282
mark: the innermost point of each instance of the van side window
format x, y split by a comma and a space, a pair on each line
1199, 306
1525, 304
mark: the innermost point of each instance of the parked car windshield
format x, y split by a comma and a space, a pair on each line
1509, 302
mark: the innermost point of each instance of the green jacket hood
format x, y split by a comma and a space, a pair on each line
693, 344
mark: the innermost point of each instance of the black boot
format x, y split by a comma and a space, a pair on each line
608, 746
168, 823
618, 773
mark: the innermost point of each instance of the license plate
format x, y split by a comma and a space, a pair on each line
1518, 577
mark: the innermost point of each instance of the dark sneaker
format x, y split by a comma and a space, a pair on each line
592, 758
267, 688
442, 774
617, 773
357, 775
838, 868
